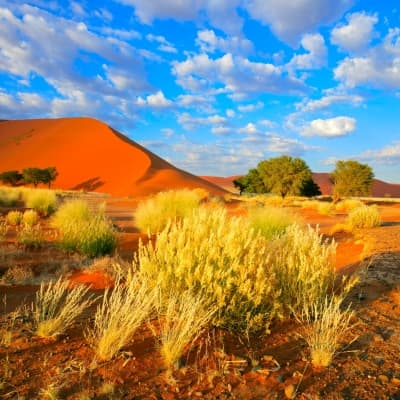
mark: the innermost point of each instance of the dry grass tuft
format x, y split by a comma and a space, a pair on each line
364, 217
31, 237
14, 218
57, 306
347, 205
120, 314
326, 326
3, 230
30, 218
44, 201
183, 318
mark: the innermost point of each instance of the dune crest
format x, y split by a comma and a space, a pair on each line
91, 156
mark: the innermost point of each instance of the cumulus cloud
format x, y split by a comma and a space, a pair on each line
356, 35
330, 128
316, 54
209, 42
156, 101
389, 155
251, 107
222, 14
284, 145
190, 122
249, 129
379, 68
290, 22
236, 75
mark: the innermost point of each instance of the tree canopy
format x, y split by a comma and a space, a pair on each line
351, 178
12, 177
283, 175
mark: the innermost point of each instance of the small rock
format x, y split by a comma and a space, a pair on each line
290, 391
383, 378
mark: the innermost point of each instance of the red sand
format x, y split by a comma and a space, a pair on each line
91, 156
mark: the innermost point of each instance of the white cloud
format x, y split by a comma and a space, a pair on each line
379, 68
209, 42
164, 44
156, 101
389, 155
221, 130
330, 128
291, 21
230, 113
284, 145
221, 14
190, 122
237, 75
249, 129
316, 54
267, 123
356, 35
251, 107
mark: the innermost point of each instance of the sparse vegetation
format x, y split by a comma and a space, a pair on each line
9, 196
57, 305
30, 236
364, 217
83, 230
347, 205
122, 311
3, 230
326, 326
14, 217
30, 218
41, 200
183, 318
153, 214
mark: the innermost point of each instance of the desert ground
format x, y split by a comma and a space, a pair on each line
219, 365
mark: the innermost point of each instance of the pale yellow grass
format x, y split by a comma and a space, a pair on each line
14, 217
44, 201
364, 217
56, 307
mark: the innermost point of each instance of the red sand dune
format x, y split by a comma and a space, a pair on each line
379, 188
89, 155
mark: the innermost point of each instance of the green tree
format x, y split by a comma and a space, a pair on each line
12, 177
49, 175
32, 175
310, 188
284, 175
250, 183
351, 178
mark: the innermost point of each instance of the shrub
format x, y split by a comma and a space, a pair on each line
90, 233
183, 319
271, 221
348, 205
153, 214
364, 217
9, 197
220, 258
30, 236
57, 306
14, 217
324, 208
30, 218
118, 317
326, 326
42, 201
304, 267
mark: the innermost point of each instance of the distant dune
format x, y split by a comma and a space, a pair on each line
379, 188
91, 156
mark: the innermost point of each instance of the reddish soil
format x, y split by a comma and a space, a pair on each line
220, 366
90, 156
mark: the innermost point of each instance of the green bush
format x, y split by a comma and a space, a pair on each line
364, 217
90, 233
153, 214
42, 201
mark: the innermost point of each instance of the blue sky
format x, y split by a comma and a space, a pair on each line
214, 86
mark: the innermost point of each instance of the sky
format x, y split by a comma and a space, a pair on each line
214, 86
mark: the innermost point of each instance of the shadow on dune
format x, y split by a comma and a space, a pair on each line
89, 185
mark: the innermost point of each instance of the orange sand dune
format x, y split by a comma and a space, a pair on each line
89, 155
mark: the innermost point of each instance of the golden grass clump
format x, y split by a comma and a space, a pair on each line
9, 196
326, 325
30, 236
152, 215
347, 205
44, 201
304, 267
83, 230
325, 208
220, 258
3, 230
122, 311
57, 305
271, 221
30, 218
364, 217
14, 217
182, 320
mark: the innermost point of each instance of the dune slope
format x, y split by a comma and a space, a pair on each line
89, 155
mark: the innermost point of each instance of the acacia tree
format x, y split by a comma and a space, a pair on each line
284, 175
351, 178
250, 183
12, 177
48, 175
